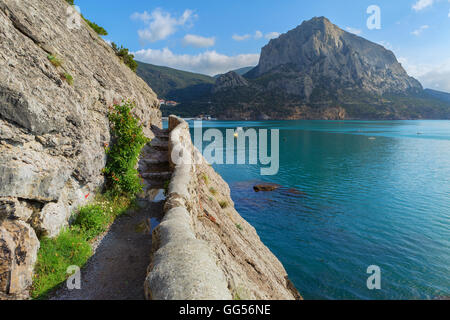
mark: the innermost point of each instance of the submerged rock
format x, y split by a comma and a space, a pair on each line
266, 187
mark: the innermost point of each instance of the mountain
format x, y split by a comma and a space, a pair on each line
240, 71
319, 71
443, 96
319, 55
172, 84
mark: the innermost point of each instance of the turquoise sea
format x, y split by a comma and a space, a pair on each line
368, 193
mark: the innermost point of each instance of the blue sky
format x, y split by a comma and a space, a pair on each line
217, 36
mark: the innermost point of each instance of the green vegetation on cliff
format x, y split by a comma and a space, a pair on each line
125, 56
123, 177
172, 84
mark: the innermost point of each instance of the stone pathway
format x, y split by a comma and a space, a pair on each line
118, 268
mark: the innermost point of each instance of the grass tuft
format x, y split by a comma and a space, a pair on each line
73, 245
205, 178
55, 256
54, 60
223, 204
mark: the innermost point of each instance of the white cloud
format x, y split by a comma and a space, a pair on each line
272, 35
258, 35
198, 41
431, 76
208, 62
422, 4
161, 24
386, 44
237, 37
354, 30
419, 31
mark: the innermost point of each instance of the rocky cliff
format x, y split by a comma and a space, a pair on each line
318, 51
57, 81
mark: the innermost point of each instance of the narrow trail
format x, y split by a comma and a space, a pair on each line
118, 268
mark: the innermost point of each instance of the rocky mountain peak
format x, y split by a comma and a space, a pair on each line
318, 50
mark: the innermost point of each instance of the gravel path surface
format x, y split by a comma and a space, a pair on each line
118, 268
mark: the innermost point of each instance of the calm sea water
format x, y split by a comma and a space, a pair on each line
371, 193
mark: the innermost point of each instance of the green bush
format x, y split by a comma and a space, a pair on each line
93, 220
123, 156
70, 248
125, 56
54, 61
223, 204
68, 78
100, 30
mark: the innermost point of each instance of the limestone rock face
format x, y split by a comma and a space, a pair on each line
53, 131
18, 253
318, 51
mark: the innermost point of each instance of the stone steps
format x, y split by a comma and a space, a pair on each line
154, 184
166, 175
157, 167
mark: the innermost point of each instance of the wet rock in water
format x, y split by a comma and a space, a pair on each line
266, 187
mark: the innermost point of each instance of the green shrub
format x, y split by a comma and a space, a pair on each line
223, 204
93, 220
123, 177
99, 30
205, 178
213, 191
70, 248
166, 187
125, 56
70, 2
54, 61
239, 227
68, 78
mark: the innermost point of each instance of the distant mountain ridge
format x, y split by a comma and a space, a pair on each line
317, 71
172, 84
241, 71
443, 96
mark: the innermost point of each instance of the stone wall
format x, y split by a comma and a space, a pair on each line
204, 249
182, 267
